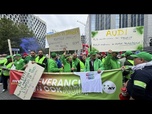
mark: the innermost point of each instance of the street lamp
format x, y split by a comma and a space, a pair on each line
81, 23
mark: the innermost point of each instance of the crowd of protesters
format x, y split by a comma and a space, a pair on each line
136, 67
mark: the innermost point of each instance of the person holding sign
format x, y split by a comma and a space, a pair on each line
69, 65
5, 72
112, 61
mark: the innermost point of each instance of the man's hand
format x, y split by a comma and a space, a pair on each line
125, 84
33, 62
25, 66
72, 69
61, 69
110, 51
123, 68
4, 68
64, 49
99, 71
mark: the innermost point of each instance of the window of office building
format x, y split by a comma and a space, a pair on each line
120, 20
123, 24
108, 23
131, 22
142, 19
134, 20
126, 20
117, 21
138, 20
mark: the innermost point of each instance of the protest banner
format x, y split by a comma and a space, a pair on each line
67, 86
121, 39
69, 39
28, 81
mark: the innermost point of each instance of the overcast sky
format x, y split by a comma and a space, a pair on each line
63, 22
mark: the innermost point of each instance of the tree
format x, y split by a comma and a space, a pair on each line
12, 31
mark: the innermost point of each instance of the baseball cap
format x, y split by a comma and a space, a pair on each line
53, 55
25, 54
128, 52
123, 55
143, 55
8, 57
19, 55
93, 53
68, 57
103, 53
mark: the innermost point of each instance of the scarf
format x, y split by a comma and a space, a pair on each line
141, 66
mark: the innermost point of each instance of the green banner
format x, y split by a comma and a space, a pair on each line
67, 86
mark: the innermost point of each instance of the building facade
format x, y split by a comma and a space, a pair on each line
34, 23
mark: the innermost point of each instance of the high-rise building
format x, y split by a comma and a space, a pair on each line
34, 23
90, 26
87, 30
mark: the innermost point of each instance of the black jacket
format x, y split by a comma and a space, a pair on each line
141, 77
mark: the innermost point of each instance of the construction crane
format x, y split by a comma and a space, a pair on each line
81, 23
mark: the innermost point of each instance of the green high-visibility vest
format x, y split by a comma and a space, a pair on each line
2, 62
6, 72
40, 61
82, 66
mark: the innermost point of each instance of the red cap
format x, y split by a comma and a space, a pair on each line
103, 53
25, 54
123, 89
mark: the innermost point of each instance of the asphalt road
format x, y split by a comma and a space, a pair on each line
6, 96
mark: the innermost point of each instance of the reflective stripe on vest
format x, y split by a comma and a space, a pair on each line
140, 83
131, 61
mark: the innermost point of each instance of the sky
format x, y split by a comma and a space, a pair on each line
61, 22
